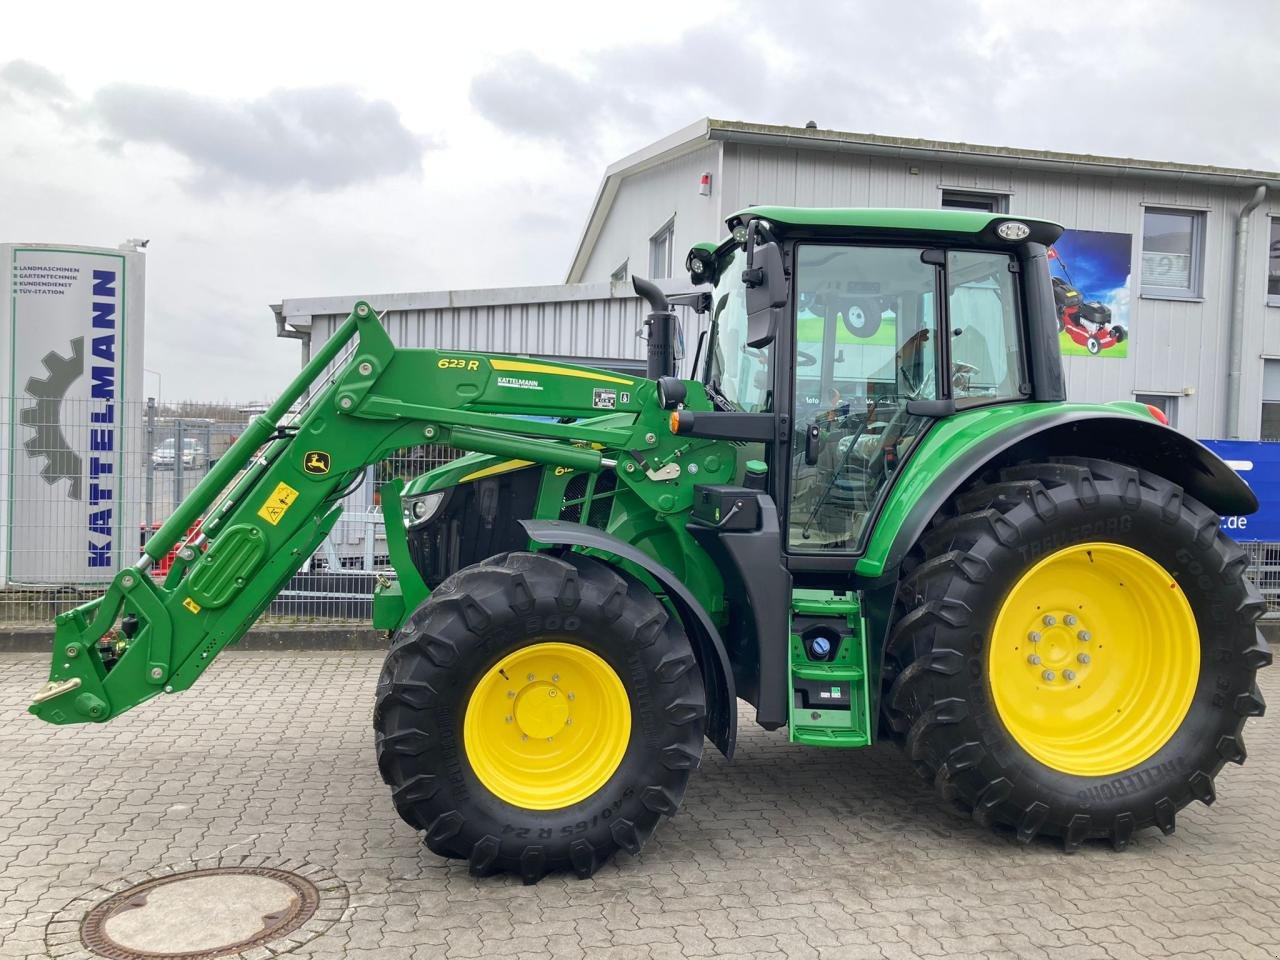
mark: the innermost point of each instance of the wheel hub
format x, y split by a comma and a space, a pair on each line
1094, 659
547, 725
541, 710
1061, 645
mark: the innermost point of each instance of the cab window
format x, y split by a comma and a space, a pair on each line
986, 351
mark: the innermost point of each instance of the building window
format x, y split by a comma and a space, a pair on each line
1165, 403
1270, 400
1172, 253
969, 200
660, 247
1273, 265
620, 275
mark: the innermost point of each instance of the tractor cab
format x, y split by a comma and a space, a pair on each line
875, 334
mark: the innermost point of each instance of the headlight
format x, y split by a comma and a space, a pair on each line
419, 510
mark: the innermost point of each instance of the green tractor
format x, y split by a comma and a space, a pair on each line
872, 514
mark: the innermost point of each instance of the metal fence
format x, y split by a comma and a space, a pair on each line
57, 507
69, 520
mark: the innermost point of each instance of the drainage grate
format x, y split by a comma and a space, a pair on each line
200, 912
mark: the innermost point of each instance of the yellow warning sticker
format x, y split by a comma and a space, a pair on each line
278, 503
191, 605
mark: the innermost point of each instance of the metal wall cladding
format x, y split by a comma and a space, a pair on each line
577, 327
645, 202
1177, 346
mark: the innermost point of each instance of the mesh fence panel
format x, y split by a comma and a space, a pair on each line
72, 520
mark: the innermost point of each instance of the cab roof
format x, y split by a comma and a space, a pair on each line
878, 220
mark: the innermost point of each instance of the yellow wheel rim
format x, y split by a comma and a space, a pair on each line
547, 726
1094, 659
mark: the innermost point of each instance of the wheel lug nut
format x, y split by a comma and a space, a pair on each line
1050, 620
524, 737
1034, 636
508, 719
555, 678
1034, 659
1083, 657
1068, 675
1048, 674
1084, 635
511, 694
1070, 620
571, 696
530, 678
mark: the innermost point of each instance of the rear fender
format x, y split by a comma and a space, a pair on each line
943, 465
708, 647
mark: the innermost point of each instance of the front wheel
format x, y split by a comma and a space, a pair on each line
1075, 653
538, 713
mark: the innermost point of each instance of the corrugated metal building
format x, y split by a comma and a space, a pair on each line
1180, 220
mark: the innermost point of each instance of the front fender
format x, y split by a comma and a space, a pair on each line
708, 647
958, 447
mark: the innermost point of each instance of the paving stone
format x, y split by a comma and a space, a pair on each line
789, 852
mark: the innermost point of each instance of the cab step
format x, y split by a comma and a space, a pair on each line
828, 670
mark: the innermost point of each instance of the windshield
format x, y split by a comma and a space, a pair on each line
738, 373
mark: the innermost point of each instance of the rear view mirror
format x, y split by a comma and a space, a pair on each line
766, 283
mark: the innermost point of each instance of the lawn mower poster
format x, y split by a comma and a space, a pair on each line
1090, 275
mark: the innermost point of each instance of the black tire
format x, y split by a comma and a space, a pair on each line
1093, 346
475, 618
938, 703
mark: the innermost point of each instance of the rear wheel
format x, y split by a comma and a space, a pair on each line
1074, 654
538, 713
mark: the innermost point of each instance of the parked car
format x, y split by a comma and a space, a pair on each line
193, 454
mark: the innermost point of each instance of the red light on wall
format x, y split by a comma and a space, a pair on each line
704, 185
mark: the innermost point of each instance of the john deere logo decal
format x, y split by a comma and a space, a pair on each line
316, 461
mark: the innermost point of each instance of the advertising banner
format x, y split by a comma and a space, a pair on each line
73, 336
1090, 274
1259, 465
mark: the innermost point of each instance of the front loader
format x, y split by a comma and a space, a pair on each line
870, 514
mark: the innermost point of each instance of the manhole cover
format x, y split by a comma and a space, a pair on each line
200, 912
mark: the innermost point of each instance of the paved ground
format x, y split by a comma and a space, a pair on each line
788, 852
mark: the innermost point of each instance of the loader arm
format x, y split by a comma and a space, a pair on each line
270, 501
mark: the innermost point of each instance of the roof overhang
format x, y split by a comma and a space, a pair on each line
1080, 164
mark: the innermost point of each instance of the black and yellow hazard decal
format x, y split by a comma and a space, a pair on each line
278, 503
316, 462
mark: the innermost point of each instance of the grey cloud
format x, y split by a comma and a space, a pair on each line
1197, 89
33, 80
528, 96
321, 138
324, 138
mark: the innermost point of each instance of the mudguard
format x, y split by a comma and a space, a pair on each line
957, 448
713, 660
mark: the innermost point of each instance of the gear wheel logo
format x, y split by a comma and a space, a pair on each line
61, 462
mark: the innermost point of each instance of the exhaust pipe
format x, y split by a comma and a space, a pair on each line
661, 333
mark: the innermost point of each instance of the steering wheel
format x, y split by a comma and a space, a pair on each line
962, 376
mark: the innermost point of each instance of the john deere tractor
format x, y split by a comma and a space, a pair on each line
871, 514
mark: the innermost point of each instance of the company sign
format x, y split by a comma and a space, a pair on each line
74, 457
1259, 465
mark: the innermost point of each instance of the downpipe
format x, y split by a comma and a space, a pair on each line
1235, 323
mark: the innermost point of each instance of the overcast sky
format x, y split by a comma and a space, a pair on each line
359, 149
